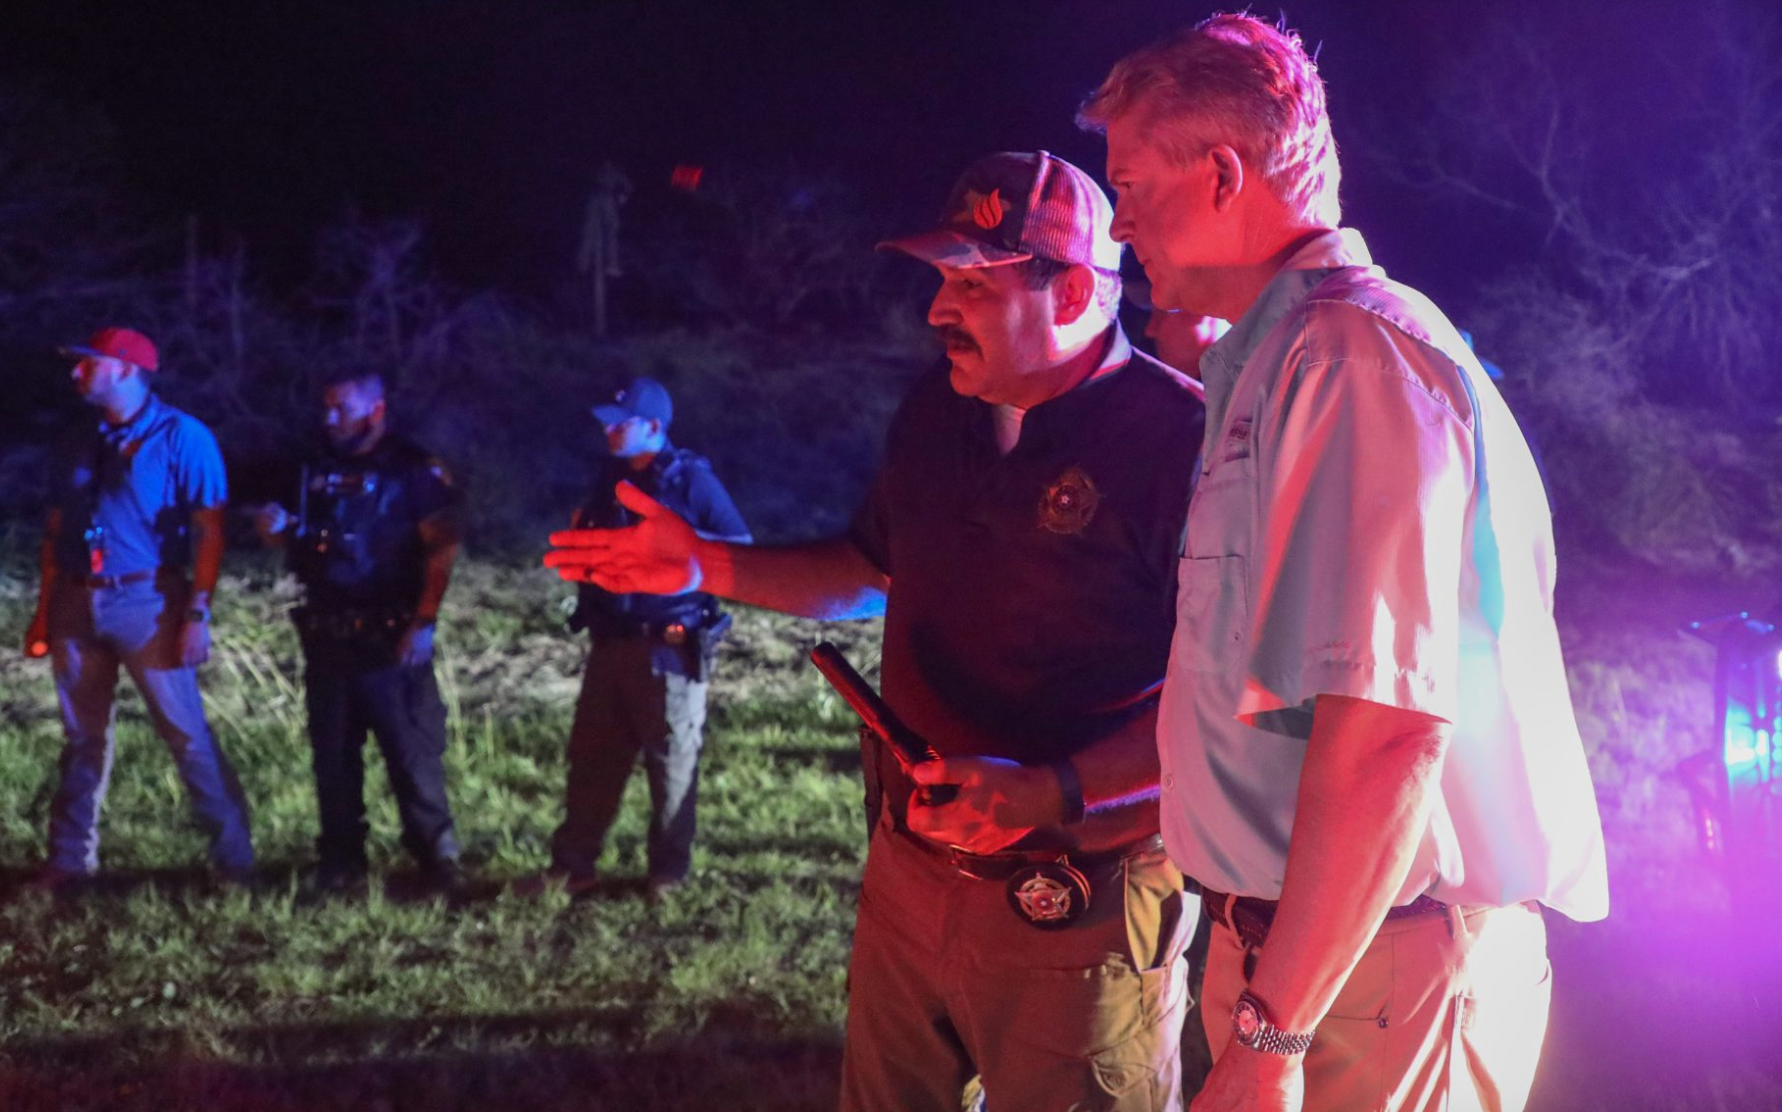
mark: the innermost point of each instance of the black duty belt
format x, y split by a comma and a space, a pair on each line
1250, 917
108, 582
347, 625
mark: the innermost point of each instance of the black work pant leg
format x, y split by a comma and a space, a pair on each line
603, 748
337, 743
408, 719
672, 728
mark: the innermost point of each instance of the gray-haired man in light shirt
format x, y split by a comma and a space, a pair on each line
1370, 759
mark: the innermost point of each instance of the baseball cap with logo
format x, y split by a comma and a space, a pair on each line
1019, 205
643, 397
119, 343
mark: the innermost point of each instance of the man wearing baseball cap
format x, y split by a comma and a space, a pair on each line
1022, 924
137, 496
649, 658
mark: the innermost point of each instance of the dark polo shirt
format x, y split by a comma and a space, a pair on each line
1032, 595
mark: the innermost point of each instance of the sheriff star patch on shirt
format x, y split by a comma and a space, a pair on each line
1069, 503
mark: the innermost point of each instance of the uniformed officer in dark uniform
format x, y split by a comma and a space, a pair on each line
1022, 540
373, 540
649, 656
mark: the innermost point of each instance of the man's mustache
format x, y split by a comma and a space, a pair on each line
954, 336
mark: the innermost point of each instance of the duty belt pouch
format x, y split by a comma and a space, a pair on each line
704, 642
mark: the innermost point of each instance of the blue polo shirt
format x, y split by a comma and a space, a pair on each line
138, 483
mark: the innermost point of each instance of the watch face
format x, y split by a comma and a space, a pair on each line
1246, 1022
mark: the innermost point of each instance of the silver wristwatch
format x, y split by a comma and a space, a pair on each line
1251, 1028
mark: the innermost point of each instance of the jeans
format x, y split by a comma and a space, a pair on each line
94, 632
627, 709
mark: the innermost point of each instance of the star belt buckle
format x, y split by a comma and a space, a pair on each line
1051, 895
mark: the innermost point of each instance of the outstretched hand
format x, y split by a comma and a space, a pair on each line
998, 802
656, 556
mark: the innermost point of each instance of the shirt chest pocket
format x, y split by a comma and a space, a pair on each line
1213, 612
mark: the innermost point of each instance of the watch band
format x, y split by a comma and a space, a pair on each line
1070, 786
198, 614
1251, 1027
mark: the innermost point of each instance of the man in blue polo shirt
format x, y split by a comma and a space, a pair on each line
1022, 540
137, 496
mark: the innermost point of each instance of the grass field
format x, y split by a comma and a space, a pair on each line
153, 992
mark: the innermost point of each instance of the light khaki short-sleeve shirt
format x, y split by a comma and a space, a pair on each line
1370, 523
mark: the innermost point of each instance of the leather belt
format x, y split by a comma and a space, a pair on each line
1250, 917
1001, 866
108, 582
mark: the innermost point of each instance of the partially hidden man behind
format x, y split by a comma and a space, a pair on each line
137, 496
373, 538
1022, 538
649, 658
1370, 760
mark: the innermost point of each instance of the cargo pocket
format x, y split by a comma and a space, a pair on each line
1160, 917
1122, 1070
1214, 611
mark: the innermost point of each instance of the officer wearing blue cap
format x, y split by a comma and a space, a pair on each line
649, 656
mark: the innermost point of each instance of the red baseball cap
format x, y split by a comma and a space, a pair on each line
119, 343
1018, 205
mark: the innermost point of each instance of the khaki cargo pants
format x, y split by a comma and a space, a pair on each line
947, 981
1444, 1013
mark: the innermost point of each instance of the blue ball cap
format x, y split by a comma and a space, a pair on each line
642, 397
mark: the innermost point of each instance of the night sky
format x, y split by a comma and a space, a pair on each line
489, 118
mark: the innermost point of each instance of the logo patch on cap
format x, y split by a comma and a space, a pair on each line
986, 209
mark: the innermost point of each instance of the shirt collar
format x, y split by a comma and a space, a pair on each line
1117, 355
1298, 277
135, 427
1058, 407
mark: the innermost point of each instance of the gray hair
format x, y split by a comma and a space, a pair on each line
1232, 79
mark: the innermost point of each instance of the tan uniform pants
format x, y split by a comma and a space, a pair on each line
947, 981
1444, 1013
